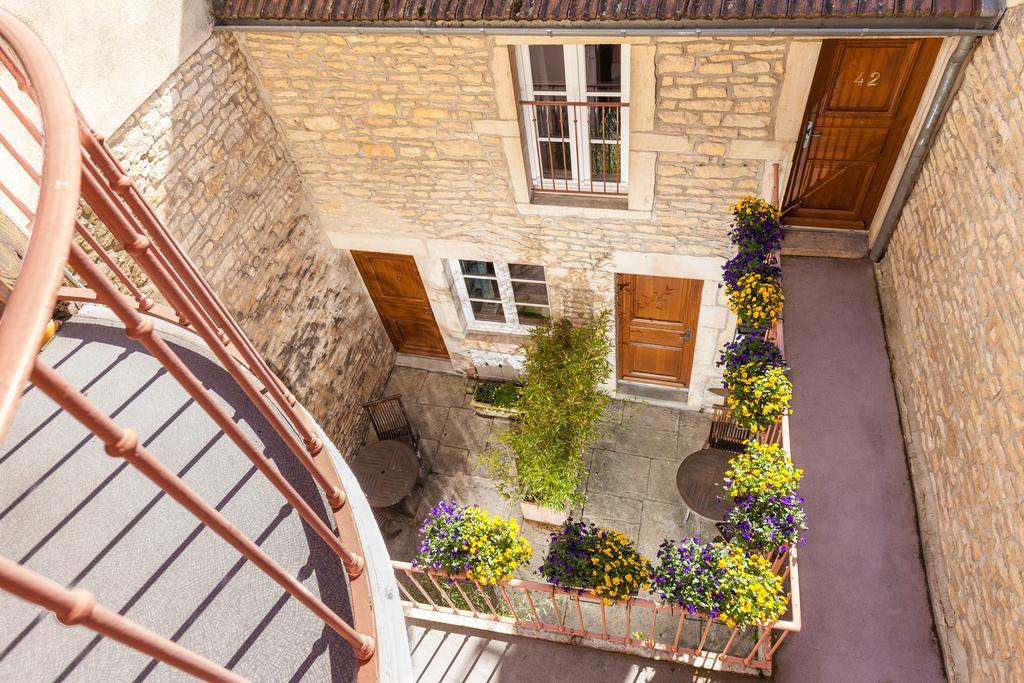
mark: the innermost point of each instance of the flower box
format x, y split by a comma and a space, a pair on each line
542, 515
496, 399
491, 410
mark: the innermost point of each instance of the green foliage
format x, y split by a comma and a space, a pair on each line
499, 394
560, 404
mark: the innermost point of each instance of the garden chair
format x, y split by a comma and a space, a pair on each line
725, 433
390, 423
772, 435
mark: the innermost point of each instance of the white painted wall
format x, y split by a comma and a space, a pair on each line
115, 53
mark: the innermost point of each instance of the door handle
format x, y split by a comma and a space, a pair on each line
808, 134
687, 335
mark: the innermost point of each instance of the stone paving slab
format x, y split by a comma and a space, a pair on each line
630, 480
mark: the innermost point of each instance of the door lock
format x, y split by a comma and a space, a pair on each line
686, 336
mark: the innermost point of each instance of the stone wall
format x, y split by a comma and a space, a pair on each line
206, 153
410, 143
952, 290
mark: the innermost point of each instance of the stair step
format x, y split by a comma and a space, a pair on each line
834, 243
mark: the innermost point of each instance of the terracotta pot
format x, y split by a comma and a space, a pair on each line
542, 515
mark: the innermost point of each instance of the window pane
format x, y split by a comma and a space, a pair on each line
555, 162
482, 289
487, 311
477, 268
604, 68
530, 292
552, 121
547, 66
604, 163
533, 315
605, 121
519, 271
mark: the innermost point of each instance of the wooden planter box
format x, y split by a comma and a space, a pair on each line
542, 515
491, 410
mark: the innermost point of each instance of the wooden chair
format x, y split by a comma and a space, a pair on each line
390, 423
726, 434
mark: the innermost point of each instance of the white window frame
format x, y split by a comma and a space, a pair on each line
508, 302
576, 91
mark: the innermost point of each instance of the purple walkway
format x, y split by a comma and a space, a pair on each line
866, 615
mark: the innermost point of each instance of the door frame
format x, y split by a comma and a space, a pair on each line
797, 103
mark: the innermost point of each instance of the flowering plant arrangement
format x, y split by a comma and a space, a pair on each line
744, 262
753, 592
758, 397
606, 563
766, 522
691, 575
719, 580
751, 349
756, 300
761, 469
465, 539
756, 225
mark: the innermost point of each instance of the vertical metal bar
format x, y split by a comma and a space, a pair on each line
416, 582
511, 606
469, 602
775, 646
483, 595
679, 630
654, 621
27, 167
540, 150
558, 615
579, 613
604, 136
551, 144
728, 644
618, 146
580, 141
78, 607
442, 591
566, 154
604, 622
629, 636
124, 443
533, 608
405, 592
765, 631
704, 636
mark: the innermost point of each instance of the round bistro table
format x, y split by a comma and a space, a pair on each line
387, 472
699, 480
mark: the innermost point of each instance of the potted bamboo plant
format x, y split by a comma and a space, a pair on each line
560, 404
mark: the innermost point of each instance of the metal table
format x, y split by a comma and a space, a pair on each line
699, 480
387, 472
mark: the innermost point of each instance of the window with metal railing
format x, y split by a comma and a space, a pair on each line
575, 109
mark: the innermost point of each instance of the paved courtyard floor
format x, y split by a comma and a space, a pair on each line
630, 482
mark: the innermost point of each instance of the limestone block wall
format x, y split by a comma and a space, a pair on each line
206, 153
412, 144
952, 290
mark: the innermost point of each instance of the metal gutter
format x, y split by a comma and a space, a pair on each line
839, 28
922, 145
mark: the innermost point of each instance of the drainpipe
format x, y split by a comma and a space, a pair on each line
922, 145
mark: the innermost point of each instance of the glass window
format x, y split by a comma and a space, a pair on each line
547, 66
503, 296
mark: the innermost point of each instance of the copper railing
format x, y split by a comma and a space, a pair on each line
635, 626
577, 147
79, 176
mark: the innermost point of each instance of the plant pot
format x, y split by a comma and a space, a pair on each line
539, 514
745, 329
491, 410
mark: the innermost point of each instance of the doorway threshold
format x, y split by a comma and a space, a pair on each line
670, 397
827, 242
407, 360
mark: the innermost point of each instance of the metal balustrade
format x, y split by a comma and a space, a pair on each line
79, 176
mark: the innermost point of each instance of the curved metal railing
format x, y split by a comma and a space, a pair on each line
151, 277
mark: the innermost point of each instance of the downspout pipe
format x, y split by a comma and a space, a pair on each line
923, 144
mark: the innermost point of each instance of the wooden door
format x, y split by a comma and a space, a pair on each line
862, 99
397, 291
657, 328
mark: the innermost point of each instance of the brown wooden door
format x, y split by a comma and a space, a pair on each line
657, 328
862, 99
397, 291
